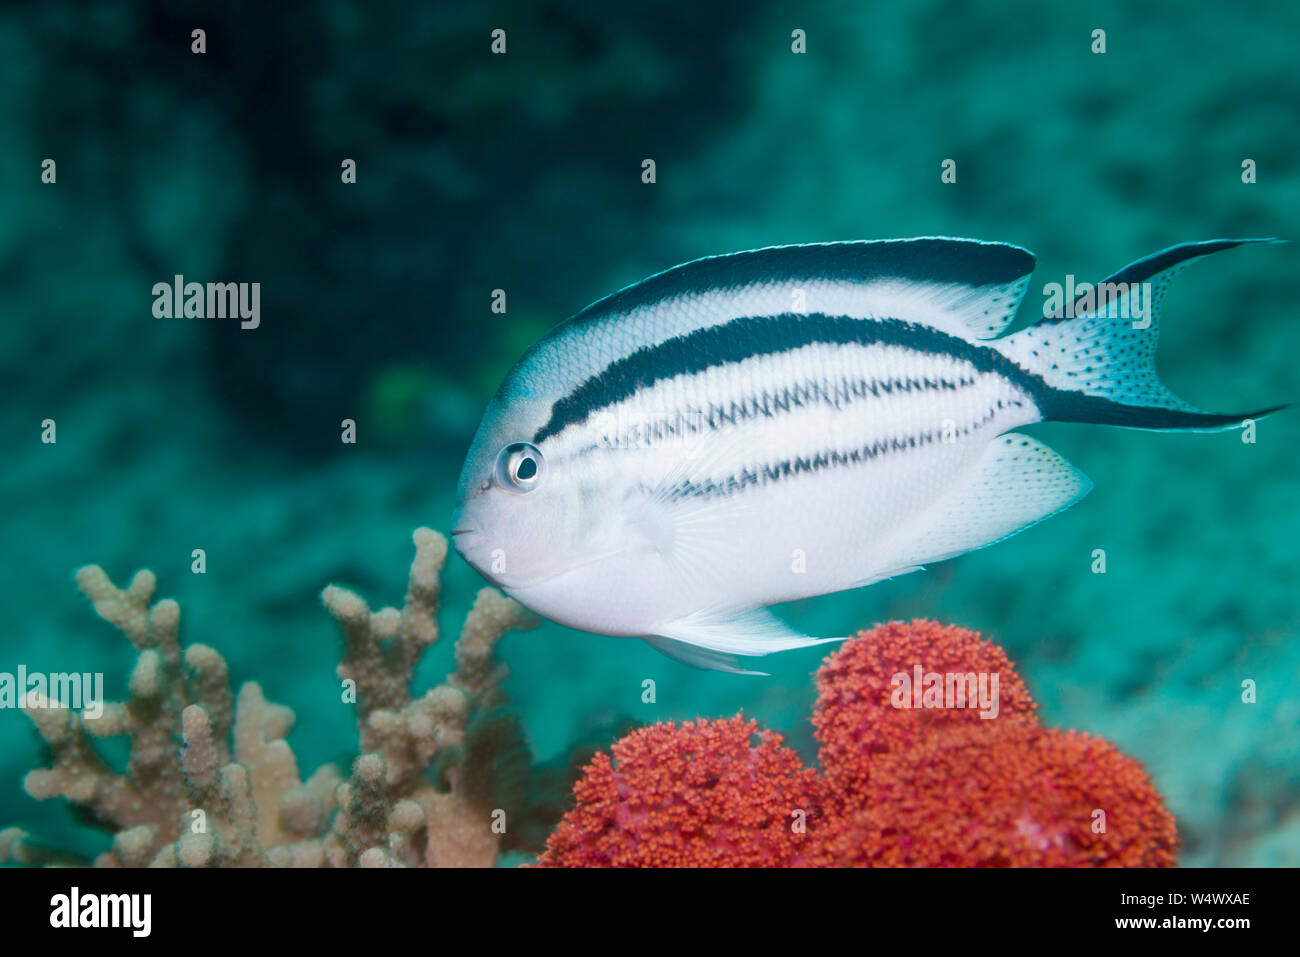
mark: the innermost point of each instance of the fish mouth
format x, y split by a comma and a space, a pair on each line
542, 580
459, 522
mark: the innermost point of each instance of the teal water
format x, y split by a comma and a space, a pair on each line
523, 172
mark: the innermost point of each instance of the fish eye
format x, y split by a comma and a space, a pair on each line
519, 467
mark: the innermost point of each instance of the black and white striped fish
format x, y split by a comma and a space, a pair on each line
771, 425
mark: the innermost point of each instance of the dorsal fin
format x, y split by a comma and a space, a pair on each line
966, 285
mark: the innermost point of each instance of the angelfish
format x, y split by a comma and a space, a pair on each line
754, 428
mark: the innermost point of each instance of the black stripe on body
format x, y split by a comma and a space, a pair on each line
959, 261
767, 472
836, 394
748, 336
813, 392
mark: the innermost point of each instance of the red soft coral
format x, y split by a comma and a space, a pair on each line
1012, 795
706, 793
928, 786
855, 718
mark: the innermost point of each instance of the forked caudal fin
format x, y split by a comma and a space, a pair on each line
1098, 357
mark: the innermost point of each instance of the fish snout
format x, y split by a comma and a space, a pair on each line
463, 531
468, 543
477, 538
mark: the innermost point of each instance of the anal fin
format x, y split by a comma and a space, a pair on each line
714, 638
698, 657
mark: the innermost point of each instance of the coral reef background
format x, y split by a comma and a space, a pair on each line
522, 172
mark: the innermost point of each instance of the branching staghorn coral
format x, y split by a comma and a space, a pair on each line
390, 814
232, 795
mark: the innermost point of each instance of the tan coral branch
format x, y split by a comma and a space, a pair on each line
209, 803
